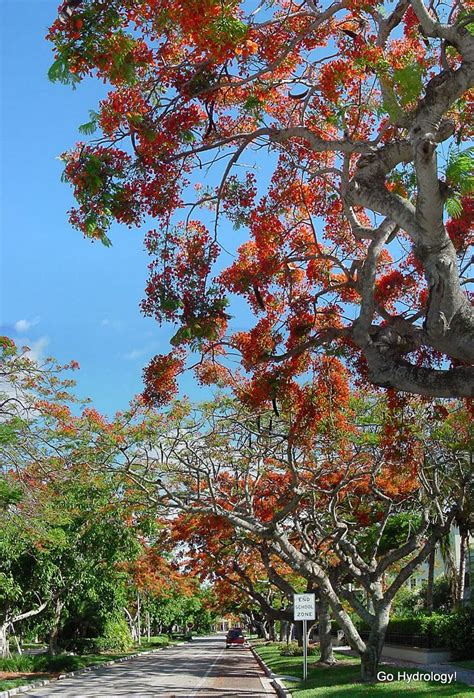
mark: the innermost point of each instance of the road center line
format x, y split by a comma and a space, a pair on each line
201, 682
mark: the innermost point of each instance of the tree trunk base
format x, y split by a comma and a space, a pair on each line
325, 663
369, 664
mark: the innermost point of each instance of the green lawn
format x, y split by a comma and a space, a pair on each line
156, 641
343, 680
7, 684
33, 645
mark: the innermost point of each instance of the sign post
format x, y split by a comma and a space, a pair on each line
305, 610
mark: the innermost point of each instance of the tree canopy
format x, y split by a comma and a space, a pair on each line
79, 553
333, 138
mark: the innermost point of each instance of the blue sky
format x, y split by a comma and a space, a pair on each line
60, 294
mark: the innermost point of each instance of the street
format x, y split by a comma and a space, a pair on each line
200, 669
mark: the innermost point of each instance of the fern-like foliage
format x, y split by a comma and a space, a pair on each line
460, 178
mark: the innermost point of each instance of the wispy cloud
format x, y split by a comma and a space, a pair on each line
23, 326
112, 324
10, 390
36, 352
135, 354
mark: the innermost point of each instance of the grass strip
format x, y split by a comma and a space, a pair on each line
343, 679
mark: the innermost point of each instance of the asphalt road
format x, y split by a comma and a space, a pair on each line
200, 669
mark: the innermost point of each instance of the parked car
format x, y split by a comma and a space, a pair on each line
235, 638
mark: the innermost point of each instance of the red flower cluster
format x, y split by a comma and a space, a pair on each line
160, 378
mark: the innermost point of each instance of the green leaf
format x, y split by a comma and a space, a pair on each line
409, 81
91, 225
188, 137
59, 72
184, 334
460, 170
10, 493
88, 128
454, 207
392, 107
169, 303
252, 103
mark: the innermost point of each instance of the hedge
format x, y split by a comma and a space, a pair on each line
452, 630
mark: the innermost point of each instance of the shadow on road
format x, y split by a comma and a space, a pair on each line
202, 668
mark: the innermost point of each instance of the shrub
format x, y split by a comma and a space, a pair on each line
59, 663
442, 594
459, 633
116, 636
18, 662
82, 645
293, 650
409, 602
159, 641
433, 628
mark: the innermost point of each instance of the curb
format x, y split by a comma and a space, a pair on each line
280, 688
45, 682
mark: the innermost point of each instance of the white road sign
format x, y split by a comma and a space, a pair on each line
304, 607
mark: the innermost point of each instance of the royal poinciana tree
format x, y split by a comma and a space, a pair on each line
332, 133
359, 508
215, 551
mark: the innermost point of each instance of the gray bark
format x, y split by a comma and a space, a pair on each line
325, 635
448, 325
9, 622
284, 630
4, 640
55, 626
370, 658
262, 629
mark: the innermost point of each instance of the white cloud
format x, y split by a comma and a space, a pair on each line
10, 390
37, 348
24, 325
113, 324
134, 354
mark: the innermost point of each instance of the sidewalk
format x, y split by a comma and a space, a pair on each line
460, 674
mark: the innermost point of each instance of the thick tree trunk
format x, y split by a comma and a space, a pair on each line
53, 636
284, 627
325, 637
430, 582
298, 625
371, 657
4, 641
369, 663
132, 623
270, 623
